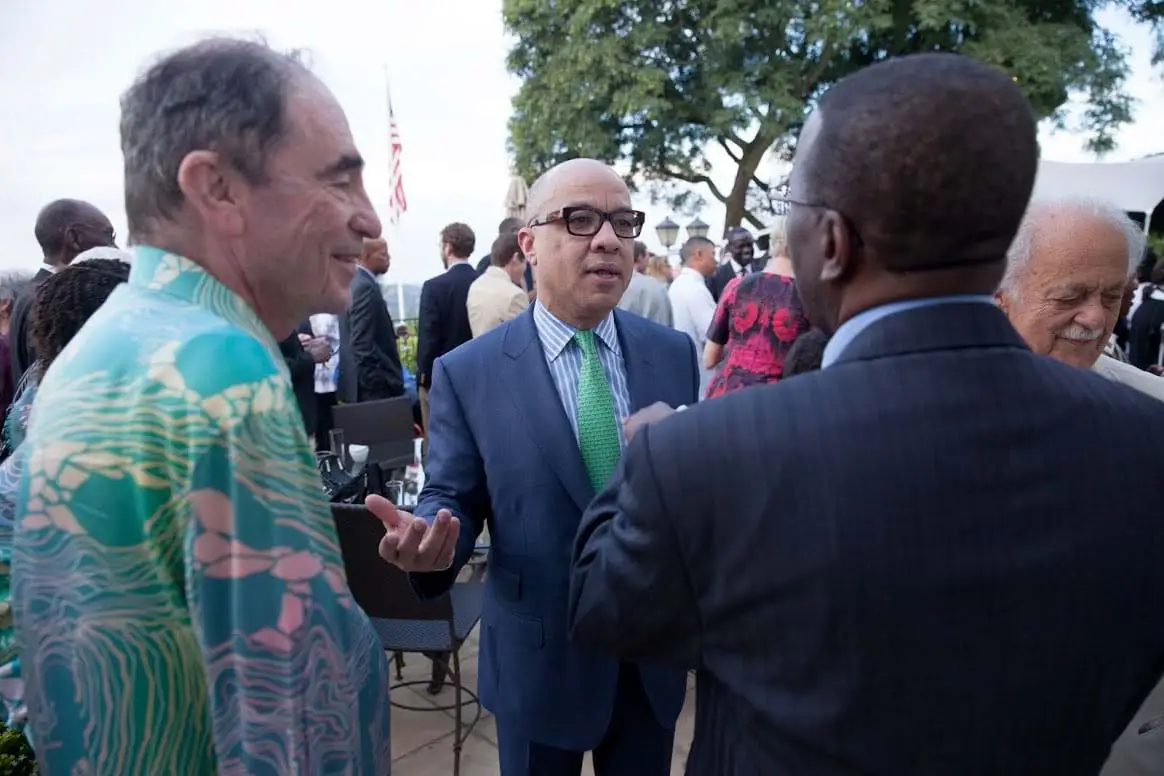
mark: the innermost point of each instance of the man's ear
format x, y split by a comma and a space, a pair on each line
212, 190
525, 241
838, 259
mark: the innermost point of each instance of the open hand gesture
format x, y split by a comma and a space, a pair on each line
411, 543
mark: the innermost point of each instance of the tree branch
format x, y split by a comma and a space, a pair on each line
751, 219
732, 136
697, 178
727, 150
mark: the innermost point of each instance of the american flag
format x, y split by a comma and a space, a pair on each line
397, 203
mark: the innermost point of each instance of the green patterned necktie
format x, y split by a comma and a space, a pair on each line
597, 426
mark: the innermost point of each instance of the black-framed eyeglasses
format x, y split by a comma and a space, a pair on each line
789, 201
587, 221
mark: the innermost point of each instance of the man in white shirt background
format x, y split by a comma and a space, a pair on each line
692, 306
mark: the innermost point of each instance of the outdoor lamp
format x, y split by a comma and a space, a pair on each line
668, 232
697, 228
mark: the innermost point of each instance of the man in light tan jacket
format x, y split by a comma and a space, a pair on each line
499, 294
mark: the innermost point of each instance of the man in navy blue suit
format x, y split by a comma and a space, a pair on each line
927, 558
527, 424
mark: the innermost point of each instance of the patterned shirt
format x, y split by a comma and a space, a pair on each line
179, 593
564, 358
758, 318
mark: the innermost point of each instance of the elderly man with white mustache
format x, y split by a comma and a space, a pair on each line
1067, 271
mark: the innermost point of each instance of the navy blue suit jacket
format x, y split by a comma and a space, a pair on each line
502, 453
941, 555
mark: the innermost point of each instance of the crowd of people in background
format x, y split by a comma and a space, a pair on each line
886, 489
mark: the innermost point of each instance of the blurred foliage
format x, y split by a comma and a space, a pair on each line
1150, 12
406, 344
1156, 243
655, 84
16, 756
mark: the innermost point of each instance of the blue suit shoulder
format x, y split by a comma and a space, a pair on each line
487, 347
673, 344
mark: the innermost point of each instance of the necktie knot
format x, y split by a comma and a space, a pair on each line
585, 340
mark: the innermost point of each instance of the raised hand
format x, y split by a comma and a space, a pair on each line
318, 348
410, 542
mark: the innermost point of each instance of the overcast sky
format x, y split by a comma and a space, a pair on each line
64, 63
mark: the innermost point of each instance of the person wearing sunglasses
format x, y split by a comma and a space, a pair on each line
527, 424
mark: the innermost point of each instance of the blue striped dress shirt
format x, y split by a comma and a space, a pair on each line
564, 358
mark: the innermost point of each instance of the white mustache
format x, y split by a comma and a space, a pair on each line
1077, 333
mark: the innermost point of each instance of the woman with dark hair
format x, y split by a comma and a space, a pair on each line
64, 302
806, 353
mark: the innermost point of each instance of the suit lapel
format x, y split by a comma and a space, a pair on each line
530, 385
642, 376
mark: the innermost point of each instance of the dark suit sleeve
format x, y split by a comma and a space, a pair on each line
712, 285
373, 376
630, 592
455, 480
299, 362
427, 334
696, 377
18, 335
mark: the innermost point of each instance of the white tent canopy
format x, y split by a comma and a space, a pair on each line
1137, 187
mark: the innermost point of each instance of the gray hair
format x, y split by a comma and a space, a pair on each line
223, 95
1019, 255
12, 284
778, 238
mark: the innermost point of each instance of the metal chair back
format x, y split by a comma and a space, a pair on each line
385, 426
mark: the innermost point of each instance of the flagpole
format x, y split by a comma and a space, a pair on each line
388, 99
401, 312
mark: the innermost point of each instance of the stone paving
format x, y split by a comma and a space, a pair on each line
422, 742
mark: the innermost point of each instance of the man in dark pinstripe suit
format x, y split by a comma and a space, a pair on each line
924, 559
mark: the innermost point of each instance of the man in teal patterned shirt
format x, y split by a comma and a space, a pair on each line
179, 594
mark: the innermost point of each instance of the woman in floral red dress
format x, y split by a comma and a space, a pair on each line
758, 318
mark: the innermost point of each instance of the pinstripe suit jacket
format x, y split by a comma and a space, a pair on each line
926, 559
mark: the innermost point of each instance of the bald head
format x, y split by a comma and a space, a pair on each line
931, 157
375, 256
67, 227
580, 240
569, 174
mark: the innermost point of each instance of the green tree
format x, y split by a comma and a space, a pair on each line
656, 83
1152, 13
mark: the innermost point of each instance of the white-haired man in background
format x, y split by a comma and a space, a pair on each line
1067, 271
1066, 275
